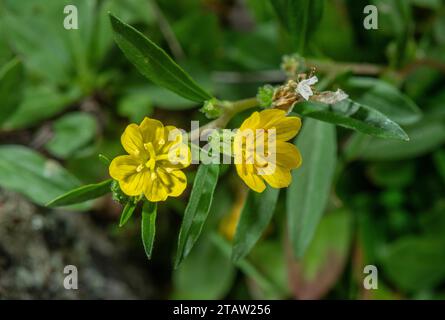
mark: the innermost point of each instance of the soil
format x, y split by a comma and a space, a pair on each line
37, 243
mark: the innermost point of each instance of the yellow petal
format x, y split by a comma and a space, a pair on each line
123, 166
131, 140
244, 145
247, 174
173, 138
179, 157
179, 183
135, 184
164, 184
270, 115
286, 127
252, 122
281, 178
287, 155
172, 135
155, 191
151, 131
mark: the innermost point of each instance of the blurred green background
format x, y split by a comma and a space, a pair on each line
67, 95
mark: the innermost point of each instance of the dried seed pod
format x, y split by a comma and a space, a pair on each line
286, 96
330, 97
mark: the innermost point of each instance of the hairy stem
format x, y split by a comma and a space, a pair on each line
230, 109
336, 67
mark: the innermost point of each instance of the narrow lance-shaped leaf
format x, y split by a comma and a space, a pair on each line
352, 115
39, 103
81, 125
322, 265
148, 226
206, 274
300, 18
197, 209
26, 171
425, 136
104, 159
425, 257
308, 193
255, 217
11, 80
82, 194
385, 98
154, 63
127, 212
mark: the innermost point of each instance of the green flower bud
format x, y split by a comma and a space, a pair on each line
212, 108
265, 96
292, 64
117, 193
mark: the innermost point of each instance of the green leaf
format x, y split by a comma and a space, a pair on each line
425, 136
300, 18
205, 274
127, 212
11, 85
333, 236
82, 194
135, 106
197, 209
154, 63
272, 251
165, 99
25, 171
148, 226
255, 217
40, 103
395, 20
131, 11
439, 162
311, 184
385, 98
415, 263
393, 174
339, 47
246, 266
104, 159
322, 265
428, 4
71, 132
352, 115
36, 37
80, 52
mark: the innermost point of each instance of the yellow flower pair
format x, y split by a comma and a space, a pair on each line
154, 162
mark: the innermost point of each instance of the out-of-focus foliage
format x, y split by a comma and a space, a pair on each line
67, 95
308, 194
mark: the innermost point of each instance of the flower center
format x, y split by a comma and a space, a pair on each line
152, 158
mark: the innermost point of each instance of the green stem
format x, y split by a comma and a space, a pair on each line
230, 109
233, 108
339, 67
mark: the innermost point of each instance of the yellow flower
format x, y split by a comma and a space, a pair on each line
230, 221
156, 155
265, 155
